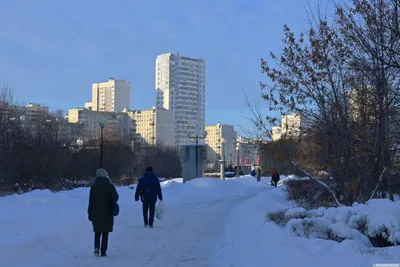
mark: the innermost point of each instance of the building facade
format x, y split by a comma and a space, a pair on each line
153, 127
27, 115
35, 112
249, 150
276, 133
292, 126
180, 87
111, 96
117, 125
221, 142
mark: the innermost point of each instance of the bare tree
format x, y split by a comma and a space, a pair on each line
340, 76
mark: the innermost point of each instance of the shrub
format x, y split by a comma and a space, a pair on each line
308, 194
277, 217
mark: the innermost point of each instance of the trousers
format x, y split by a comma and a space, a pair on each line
104, 241
149, 206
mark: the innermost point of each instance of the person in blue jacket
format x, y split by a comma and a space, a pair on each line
148, 188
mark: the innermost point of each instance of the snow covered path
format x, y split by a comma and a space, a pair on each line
58, 233
208, 223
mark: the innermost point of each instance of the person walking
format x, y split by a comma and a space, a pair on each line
102, 195
148, 188
258, 174
275, 178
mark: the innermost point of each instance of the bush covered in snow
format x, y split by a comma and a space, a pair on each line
377, 223
277, 217
307, 193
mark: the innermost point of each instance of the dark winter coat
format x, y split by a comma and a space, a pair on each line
148, 188
100, 205
275, 177
253, 173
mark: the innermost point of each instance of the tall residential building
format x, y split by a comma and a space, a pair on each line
221, 141
180, 85
118, 126
153, 127
111, 96
292, 125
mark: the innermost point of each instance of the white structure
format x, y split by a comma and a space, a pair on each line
249, 151
276, 133
153, 127
89, 105
292, 126
221, 142
118, 126
180, 85
111, 96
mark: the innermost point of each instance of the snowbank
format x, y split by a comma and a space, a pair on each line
251, 240
378, 221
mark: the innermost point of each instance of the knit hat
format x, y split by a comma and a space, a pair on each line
101, 173
149, 169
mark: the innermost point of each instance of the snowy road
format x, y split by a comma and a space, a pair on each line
191, 234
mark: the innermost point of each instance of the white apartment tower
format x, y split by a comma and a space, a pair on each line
111, 96
180, 85
292, 126
221, 143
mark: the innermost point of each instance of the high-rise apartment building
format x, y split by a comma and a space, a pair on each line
153, 127
292, 125
111, 96
180, 85
221, 142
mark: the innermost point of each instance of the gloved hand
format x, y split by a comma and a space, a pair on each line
136, 198
89, 217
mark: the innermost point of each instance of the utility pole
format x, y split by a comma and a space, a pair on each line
197, 150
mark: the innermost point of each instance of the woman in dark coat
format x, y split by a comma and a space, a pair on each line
100, 213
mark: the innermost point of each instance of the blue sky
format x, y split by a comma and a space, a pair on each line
52, 51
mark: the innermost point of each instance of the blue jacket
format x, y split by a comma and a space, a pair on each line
148, 188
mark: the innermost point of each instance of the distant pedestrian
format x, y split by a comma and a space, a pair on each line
253, 173
258, 174
148, 189
272, 175
101, 198
275, 177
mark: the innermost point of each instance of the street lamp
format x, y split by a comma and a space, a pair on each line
101, 143
222, 161
238, 159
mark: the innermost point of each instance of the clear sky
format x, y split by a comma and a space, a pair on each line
51, 51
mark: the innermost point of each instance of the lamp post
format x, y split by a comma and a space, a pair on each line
222, 161
101, 144
238, 159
